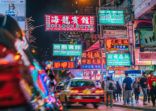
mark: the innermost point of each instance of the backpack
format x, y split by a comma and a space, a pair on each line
111, 86
154, 84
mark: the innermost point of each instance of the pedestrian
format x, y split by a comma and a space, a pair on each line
152, 87
144, 87
136, 90
110, 87
118, 91
13, 87
127, 89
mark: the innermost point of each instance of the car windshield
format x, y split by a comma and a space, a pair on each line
82, 83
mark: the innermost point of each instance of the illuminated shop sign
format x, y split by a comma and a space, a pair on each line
116, 59
118, 68
70, 23
92, 60
67, 50
111, 17
113, 44
115, 33
63, 65
92, 74
147, 40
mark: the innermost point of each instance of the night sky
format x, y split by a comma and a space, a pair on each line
37, 9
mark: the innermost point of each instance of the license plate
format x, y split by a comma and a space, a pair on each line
97, 97
78, 97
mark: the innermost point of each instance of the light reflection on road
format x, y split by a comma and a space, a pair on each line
89, 107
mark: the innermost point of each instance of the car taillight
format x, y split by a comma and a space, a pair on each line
99, 92
74, 91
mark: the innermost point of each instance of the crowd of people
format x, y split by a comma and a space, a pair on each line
130, 91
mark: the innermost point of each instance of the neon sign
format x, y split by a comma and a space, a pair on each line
70, 23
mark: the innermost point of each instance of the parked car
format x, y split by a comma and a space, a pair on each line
80, 91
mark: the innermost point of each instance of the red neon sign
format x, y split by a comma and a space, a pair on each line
69, 23
63, 65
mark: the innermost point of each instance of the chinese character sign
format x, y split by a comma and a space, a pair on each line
67, 50
116, 44
69, 23
92, 60
63, 65
111, 17
115, 59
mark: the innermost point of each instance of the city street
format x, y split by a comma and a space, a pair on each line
92, 53
89, 107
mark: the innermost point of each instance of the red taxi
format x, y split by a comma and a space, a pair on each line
81, 91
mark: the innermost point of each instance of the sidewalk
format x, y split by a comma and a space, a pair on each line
139, 106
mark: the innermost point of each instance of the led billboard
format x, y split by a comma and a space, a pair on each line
70, 23
111, 17
16, 9
67, 50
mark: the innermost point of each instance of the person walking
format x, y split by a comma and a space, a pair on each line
136, 90
127, 89
110, 87
144, 86
118, 91
152, 87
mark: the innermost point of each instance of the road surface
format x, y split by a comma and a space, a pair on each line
89, 107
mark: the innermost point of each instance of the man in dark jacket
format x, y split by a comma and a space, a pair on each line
144, 86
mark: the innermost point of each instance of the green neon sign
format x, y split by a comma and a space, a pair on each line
111, 17
67, 50
114, 59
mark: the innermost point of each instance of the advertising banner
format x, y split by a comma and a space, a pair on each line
115, 44
63, 65
67, 50
147, 56
70, 23
116, 59
147, 68
138, 61
115, 33
16, 9
92, 74
147, 40
111, 17
92, 60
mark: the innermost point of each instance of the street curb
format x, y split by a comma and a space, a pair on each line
135, 107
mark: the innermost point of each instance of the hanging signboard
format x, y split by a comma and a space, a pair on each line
16, 9
67, 50
92, 74
63, 65
70, 23
145, 68
147, 56
111, 17
116, 59
115, 33
92, 60
114, 44
147, 40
